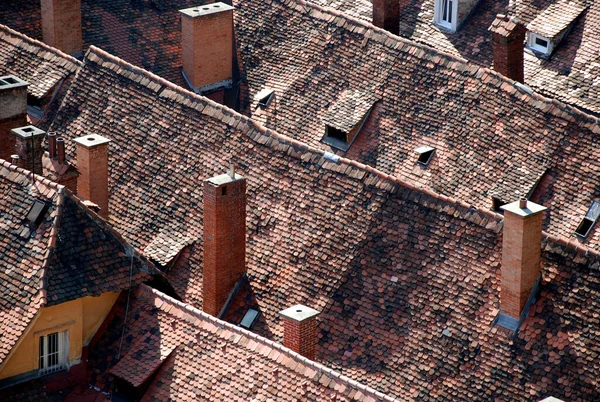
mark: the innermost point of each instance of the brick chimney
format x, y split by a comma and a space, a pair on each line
386, 15
13, 112
61, 25
224, 238
300, 330
92, 164
207, 47
28, 145
521, 254
509, 40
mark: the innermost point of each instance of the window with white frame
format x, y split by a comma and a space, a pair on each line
445, 13
54, 352
539, 43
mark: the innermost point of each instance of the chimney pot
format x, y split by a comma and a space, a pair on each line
92, 164
15, 159
521, 254
52, 145
60, 148
224, 239
300, 329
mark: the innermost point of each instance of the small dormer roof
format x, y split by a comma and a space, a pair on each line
349, 109
555, 19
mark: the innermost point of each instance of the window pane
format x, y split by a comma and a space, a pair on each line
541, 42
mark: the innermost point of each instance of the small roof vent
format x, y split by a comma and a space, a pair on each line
264, 97
590, 218
425, 153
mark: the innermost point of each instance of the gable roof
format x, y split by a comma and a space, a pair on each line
406, 279
555, 19
68, 255
483, 126
217, 360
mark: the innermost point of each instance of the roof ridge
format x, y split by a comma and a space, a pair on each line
184, 310
51, 246
256, 132
551, 104
28, 174
41, 44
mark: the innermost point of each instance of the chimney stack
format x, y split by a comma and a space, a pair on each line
207, 47
28, 145
386, 15
13, 112
224, 238
521, 254
61, 25
509, 41
92, 164
300, 330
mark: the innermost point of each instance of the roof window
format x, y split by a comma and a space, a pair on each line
346, 117
264, 97
425, 154
249, 319
36, 212
550, 27
589, 220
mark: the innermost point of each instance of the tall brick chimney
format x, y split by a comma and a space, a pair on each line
386, 15
13, 112
207, 47
224, 238
300, 329
28, 145
521, 254
61, 25
509, 40
92, 164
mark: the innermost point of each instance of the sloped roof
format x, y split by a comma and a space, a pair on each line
37, 63
407, 280
218, 360
351, 107
481, 124
555, 19
70, 254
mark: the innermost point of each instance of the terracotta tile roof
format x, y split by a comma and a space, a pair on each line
167, 245
212, 360
349, 109
482, 126
33, 61
69, 254
555, 19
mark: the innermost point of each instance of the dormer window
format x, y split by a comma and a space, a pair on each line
554, 23
444, 14
264, 97
425, 154
586, 225
346, 117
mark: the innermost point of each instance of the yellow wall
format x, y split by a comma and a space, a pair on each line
81, 317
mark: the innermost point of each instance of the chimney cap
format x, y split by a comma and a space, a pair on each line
205, 9
28, 131
299, 313
91, 140
224, 179
531, 209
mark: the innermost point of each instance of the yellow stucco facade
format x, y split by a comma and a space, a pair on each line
81, 317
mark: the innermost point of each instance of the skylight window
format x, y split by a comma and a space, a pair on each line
586, 225
425, 154
36, 212
249, 319
264, 97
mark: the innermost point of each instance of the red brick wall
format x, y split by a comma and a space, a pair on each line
521, 257
7, 138
508, 54
207, 47
92, 183
224, 242
301, 337
61, 24
386, 15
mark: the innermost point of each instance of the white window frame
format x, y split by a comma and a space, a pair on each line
531, 44
53, 352
438, 14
